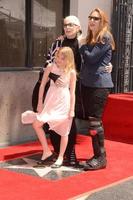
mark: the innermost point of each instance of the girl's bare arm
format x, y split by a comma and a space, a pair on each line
72, 93
42, 87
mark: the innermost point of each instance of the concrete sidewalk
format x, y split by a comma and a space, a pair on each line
122, 190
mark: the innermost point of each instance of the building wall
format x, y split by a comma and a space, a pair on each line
82, 8
15, 97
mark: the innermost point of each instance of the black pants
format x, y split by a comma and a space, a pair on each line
94, 100
55, 140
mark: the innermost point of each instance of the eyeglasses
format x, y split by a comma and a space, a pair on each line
94, 18
70, 25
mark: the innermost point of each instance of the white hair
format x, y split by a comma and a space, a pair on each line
73, 20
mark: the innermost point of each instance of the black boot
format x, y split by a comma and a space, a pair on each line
98, 161
71, 159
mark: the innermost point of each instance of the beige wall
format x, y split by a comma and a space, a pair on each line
82, 8
15, 97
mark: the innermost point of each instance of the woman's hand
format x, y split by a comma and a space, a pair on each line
71, 113
60, 82
108, 68
61, 37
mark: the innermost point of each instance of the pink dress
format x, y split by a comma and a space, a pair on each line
57, 105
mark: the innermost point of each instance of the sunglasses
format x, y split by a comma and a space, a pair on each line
70, 25
94, 18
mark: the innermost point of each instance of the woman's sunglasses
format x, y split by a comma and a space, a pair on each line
71, 25
94, 18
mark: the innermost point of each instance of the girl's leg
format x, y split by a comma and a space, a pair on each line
63, 145
37, 125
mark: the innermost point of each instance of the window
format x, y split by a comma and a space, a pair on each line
28, 28
12, 33
47, 25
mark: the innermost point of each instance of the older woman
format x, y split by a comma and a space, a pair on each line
72, 30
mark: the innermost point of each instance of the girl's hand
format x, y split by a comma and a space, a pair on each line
71, 114
39, 107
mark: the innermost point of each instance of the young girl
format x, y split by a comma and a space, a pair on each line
58, 107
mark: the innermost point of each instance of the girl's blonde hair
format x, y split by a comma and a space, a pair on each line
69, 57
103, 30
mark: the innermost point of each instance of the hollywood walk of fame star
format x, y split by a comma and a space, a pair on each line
26, 165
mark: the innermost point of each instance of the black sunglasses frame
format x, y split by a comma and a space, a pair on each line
69, 25
94, 18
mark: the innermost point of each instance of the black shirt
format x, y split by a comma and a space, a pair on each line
73, 44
